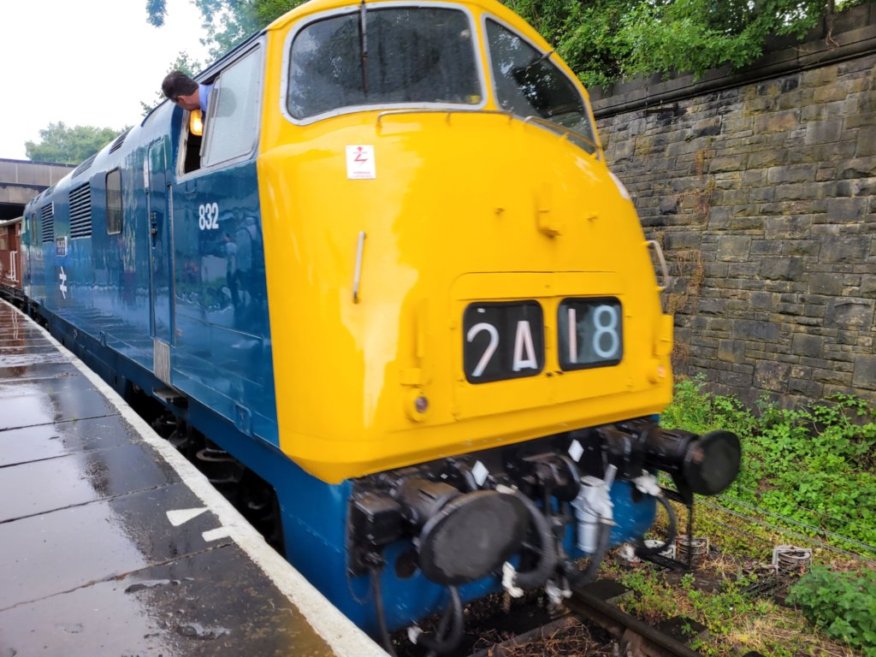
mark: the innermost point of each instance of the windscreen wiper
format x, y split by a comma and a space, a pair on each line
521, 73
363, 46
537, 60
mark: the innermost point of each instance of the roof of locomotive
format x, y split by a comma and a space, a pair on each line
317, 6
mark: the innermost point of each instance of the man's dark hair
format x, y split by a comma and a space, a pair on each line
177, 84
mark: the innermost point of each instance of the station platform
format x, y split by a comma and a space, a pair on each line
111, 543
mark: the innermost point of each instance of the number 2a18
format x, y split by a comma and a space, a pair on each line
208, 216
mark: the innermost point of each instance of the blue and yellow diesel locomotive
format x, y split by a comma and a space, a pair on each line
391, 275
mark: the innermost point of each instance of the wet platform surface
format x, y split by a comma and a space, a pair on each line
105, 549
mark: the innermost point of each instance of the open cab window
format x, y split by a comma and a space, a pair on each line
230, 129
528, 84
192, 139
376, 56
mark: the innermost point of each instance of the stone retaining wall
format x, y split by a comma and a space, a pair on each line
761, 186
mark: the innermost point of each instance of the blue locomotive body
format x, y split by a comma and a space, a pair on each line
113, 255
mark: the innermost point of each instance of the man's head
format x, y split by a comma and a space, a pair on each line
181, 89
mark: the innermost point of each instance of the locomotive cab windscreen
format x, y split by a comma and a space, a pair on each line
351, 60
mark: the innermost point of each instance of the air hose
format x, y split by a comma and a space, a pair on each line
515, 581
446, 638
381, 614
643, 549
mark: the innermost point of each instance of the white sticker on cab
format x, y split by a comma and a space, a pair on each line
360, 163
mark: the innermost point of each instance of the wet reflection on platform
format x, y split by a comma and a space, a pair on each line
41, 401
43, 441
90, 562
78, 478
192, 606
104, 540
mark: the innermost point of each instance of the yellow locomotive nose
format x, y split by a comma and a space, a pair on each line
372, 265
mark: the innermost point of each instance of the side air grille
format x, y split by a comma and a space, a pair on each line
117, 144
80, 211
47, 219
84, 165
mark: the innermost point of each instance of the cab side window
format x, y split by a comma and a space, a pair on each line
528, 84
233, 114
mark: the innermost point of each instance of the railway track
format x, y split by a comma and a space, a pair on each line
592, 625
636, 637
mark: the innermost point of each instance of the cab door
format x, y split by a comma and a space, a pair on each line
221, 340
160, 259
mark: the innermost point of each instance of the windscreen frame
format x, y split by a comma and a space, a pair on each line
388, 106
593, 146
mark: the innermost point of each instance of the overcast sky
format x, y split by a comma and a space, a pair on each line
84, 62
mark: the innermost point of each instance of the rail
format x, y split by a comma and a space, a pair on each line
619, 623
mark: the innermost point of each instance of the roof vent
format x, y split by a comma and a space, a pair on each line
84, 165
80, 211
117, 144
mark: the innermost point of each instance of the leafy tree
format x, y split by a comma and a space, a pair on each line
605, 40
267, 11
227, 22
602, 40
184, 63
68, 145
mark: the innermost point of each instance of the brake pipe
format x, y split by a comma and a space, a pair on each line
515, 582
